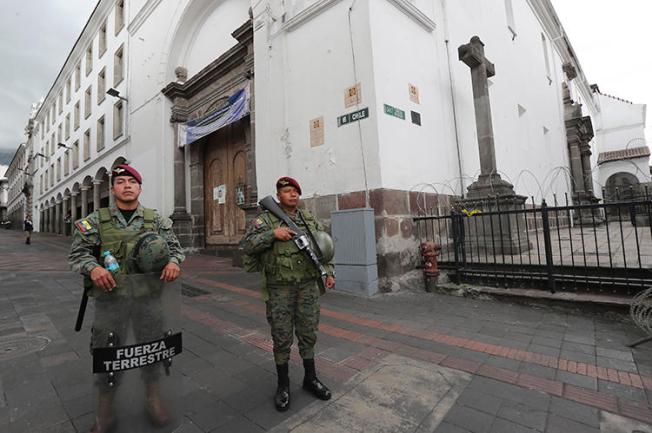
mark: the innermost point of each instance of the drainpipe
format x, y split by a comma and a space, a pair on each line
450, 82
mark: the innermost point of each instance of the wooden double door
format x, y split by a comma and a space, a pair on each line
225, 162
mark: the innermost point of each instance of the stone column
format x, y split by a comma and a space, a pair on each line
73, 210
64, 212
51, 219
97, 184
57, 217
579, 132
84, 201
489, 183
180, 216
502, 233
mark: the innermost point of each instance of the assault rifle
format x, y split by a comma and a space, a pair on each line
300, 239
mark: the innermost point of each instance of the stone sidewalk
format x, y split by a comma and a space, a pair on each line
408, 362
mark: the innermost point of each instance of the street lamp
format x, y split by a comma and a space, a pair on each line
115, 94
63, 145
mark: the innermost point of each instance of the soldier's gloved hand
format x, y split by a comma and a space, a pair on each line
283, 234
102, 279
330, 282
171, 272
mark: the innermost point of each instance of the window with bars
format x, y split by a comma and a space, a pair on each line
78, 76
87, 102
100, 133
101, 48
89, 59
101, 86
76, 114
68, 89
118, 66
66, 163
67, 126
87, 145
75, 155
118, 116
119, 16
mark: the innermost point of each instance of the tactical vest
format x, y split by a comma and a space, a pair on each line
284, 263
121, 241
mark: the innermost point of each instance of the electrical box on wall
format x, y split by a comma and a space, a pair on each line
354, 238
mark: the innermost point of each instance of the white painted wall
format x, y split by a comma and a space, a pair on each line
622, 126
301, 73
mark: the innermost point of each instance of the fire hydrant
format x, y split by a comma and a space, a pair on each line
429, 253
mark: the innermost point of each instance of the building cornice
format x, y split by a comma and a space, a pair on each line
414, 14
308, 14
545, 13
317, 8
142, 15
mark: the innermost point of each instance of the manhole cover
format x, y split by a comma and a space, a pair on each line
15, 347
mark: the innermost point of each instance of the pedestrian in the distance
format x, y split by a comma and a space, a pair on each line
291, 286
28, 226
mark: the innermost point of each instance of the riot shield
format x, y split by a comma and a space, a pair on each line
136, 335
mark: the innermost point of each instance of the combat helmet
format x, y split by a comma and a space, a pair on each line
325, 245
151, 253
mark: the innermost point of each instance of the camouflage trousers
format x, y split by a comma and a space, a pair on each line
293, 309
114, 314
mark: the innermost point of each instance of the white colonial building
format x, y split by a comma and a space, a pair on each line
365, 102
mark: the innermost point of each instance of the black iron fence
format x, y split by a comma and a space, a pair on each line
603, 247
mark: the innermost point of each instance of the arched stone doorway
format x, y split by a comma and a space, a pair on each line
621, 187
222, 164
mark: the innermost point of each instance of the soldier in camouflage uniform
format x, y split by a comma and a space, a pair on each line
117, 229
291, 288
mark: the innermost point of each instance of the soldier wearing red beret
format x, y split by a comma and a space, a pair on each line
291, 287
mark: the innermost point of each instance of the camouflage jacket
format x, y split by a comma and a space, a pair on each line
279, 259
86, 237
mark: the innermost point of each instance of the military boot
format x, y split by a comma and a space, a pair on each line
312, 384
282, 396
156, 411
104, 419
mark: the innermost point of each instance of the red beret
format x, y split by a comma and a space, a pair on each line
288, 181
125, 170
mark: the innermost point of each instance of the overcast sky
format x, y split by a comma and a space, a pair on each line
610, 38
35, 39
612, 41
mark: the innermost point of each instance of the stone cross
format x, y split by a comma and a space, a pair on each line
472, 54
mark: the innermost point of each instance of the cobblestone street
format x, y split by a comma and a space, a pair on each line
407, 362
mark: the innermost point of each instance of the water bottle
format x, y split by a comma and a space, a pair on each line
110, 262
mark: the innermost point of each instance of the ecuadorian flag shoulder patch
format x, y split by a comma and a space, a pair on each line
85, 227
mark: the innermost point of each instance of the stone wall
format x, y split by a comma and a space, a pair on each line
396, 238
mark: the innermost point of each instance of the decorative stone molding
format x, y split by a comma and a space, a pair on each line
317, 8
307, 14
142, 15
414, 14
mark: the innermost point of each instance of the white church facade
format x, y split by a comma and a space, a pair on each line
365, 102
